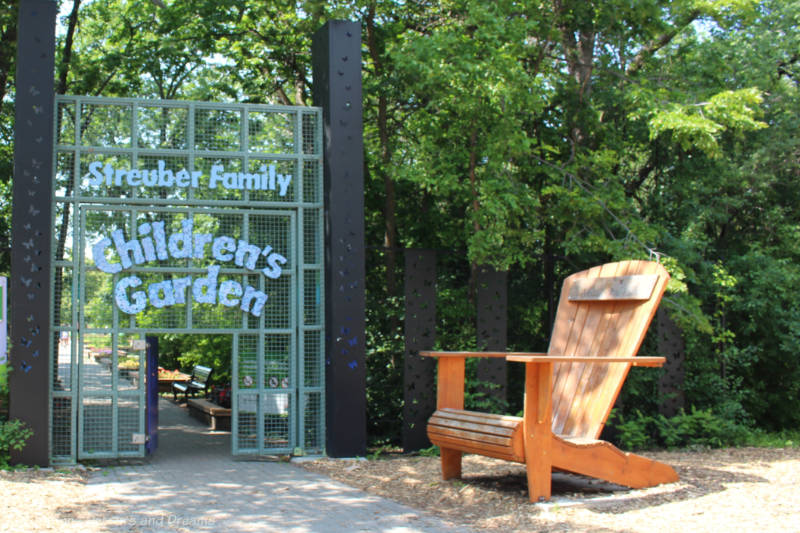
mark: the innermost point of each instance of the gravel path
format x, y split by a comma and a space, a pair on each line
193, 484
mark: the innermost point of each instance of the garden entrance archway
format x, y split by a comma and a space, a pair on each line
186, 217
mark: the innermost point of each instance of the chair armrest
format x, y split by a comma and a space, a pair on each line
431, 353
450, 377
542, 358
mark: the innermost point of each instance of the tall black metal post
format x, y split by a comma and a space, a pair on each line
420, 333
492, 297
337, 89
29, 287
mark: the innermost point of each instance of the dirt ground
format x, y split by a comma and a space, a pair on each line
719, 490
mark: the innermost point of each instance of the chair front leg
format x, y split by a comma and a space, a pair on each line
537, 424
450, 393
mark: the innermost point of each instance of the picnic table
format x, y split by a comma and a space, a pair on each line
167, 377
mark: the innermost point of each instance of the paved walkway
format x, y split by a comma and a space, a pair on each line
192, 483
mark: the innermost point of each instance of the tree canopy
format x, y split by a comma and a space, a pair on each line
538, 137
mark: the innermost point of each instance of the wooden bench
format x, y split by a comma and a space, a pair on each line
197, 382
219, 418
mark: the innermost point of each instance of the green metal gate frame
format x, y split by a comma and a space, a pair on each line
275, 409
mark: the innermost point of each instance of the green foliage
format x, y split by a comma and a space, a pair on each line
4, 370
183, 352
433, 451
13, 436
697, 429
540, 138
384, 378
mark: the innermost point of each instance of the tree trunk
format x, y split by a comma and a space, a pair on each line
390, 199
66, 56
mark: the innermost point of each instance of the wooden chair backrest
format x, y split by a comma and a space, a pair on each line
603, 312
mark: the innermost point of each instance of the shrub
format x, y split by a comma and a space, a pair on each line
13, 436
700, 428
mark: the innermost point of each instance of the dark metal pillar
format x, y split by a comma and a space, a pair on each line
29, 286
492, 301
420, 334
671, 382
337, 89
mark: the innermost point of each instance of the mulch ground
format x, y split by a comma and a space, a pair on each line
720, 490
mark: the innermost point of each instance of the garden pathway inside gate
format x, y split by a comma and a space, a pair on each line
192, 483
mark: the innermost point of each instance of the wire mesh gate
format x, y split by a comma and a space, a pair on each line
186, 217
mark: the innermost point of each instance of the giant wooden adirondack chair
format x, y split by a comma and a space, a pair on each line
602, 318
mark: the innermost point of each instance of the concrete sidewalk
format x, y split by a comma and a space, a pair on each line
192, 483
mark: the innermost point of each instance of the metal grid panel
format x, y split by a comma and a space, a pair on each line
271, 132
218, 129
247, 374
129, 424
172, 316
312, 124
313, 439
64, 180
107, 125
312, 352
280, 300
274, 230
277, 361
312, 182
62, 428
62, 289
157, 169
312, 297
130, 365
281, 145
280, 184
63, 363
96, 426
89, 185
277, 425
97, 367
312, 240
65, 123
162, 127
221, 165
246, 423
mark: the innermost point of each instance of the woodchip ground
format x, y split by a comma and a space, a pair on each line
719, 490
